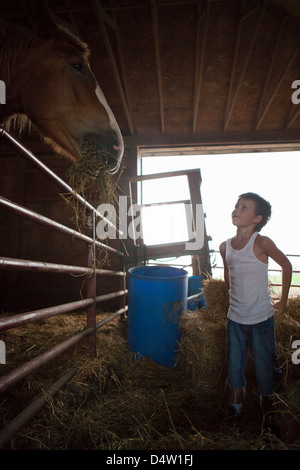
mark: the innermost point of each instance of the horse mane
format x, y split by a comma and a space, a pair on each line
18, 123
16, 43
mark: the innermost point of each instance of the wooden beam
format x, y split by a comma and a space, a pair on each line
145, 5
292, 117
123, 70
270, 70
265, 140
233, 68
168, 250
277, 86
200, 143
98, 10
71, 9
245, 65
158, 64
168, 174
200, 61
72, 17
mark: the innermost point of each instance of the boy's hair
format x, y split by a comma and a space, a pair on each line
262, 207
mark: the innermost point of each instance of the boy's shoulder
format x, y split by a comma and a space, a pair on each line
265, 245
263, 241
223, 244
222, 248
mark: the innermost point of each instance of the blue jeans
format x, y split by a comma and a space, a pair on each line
260, 340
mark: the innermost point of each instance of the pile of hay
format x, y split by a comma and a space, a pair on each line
293, 308
116, 403
203, 344
112, 402
216, 297
202, 353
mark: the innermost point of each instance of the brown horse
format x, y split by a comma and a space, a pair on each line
50, 85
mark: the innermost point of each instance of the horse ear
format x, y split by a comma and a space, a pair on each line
42, 18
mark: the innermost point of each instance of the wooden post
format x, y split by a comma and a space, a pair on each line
91, 281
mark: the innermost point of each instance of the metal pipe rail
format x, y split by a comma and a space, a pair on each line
24, 152
90, 302
38, 218
13, 321
269, 270
38, 402
33, 408
90, 239
30, 265
22, 371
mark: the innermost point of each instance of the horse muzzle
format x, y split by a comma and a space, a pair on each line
106, 154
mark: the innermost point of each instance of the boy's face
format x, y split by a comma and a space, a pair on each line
244, 214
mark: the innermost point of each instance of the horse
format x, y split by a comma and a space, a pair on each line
50, 87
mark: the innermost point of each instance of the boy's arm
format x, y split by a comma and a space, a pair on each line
226, 272
271, 250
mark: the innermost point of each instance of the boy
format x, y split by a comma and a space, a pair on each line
251, 314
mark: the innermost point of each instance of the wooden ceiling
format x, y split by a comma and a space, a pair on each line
183, 72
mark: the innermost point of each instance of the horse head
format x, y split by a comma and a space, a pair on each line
49, 80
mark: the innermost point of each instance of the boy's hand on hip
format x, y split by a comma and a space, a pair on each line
278, 308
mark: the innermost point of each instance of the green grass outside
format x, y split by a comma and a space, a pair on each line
276, 279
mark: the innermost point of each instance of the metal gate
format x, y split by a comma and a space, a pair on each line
89, 303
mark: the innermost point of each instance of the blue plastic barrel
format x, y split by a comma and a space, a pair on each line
194, 285
157, 297
195, 298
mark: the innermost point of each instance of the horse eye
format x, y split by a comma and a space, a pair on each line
79, 66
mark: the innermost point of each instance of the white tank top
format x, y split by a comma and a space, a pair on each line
249, 292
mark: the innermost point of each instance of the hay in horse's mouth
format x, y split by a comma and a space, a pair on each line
93, 159
99, 156
90, 178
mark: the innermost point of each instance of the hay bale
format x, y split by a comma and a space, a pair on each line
217, 299
202, 352
293, 308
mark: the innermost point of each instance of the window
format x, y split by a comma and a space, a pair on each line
165, 223
273, 175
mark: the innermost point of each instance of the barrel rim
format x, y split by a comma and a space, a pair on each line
150, 278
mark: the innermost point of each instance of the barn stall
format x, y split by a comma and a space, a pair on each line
186, 77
